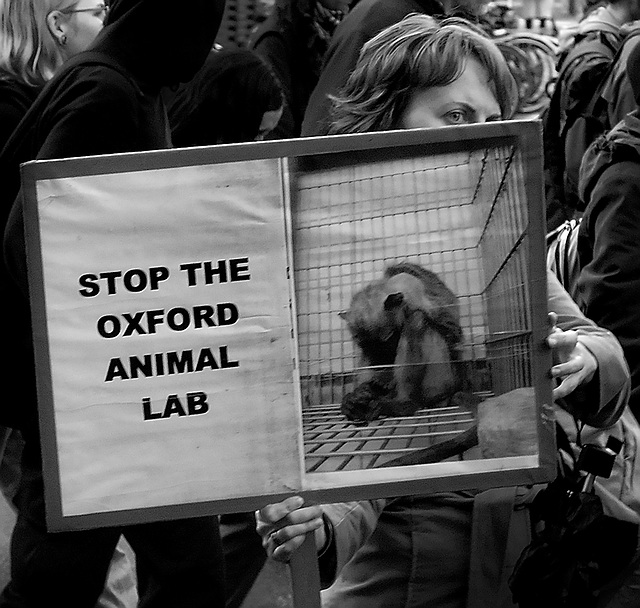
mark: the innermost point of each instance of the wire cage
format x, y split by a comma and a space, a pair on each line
462, 214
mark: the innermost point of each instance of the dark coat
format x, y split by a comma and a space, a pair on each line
15, 99
608, 243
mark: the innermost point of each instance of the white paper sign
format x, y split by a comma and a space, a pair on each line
169, 335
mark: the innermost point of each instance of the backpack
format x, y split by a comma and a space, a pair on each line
576, 115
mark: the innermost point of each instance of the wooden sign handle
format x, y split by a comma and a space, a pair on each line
305, 575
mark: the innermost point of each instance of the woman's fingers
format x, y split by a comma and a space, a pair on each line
284, 525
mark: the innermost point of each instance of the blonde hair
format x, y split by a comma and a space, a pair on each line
28, 50
416, 53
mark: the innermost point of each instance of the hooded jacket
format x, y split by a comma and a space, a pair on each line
616, 89
225, 101
107, 99
608, 243
104, 100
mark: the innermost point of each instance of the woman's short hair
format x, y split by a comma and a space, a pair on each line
28, 50
414, 54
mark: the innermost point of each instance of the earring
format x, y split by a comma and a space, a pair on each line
63, 40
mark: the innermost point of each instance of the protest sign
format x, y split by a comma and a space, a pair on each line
189, 311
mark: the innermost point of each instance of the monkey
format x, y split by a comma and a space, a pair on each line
407, 328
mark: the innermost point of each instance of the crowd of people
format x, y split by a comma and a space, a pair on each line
81, 77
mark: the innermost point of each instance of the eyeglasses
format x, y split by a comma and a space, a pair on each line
101, 11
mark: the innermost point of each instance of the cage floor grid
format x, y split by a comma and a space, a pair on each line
333, 443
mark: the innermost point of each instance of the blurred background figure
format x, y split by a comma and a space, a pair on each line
538, 15
293, 41
233, 98
497, 18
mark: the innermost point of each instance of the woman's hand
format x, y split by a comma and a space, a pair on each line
573, 362
284, 525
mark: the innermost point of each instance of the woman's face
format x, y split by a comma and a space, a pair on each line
82, 23
468, 99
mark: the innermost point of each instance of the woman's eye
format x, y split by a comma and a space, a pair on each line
456, 117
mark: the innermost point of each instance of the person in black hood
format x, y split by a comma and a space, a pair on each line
608, 239
234, 97
106, 99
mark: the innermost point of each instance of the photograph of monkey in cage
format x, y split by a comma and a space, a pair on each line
413, 308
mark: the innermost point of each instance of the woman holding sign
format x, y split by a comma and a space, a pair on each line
105, 100
416, 551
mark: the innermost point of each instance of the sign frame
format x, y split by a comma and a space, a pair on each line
526, 135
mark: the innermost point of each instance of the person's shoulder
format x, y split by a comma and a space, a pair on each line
615, 183
9, 84
16, 95
105, 75
372, 7
15, 100
95, 82
371, 16
599, 20
630, 30
630, 38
